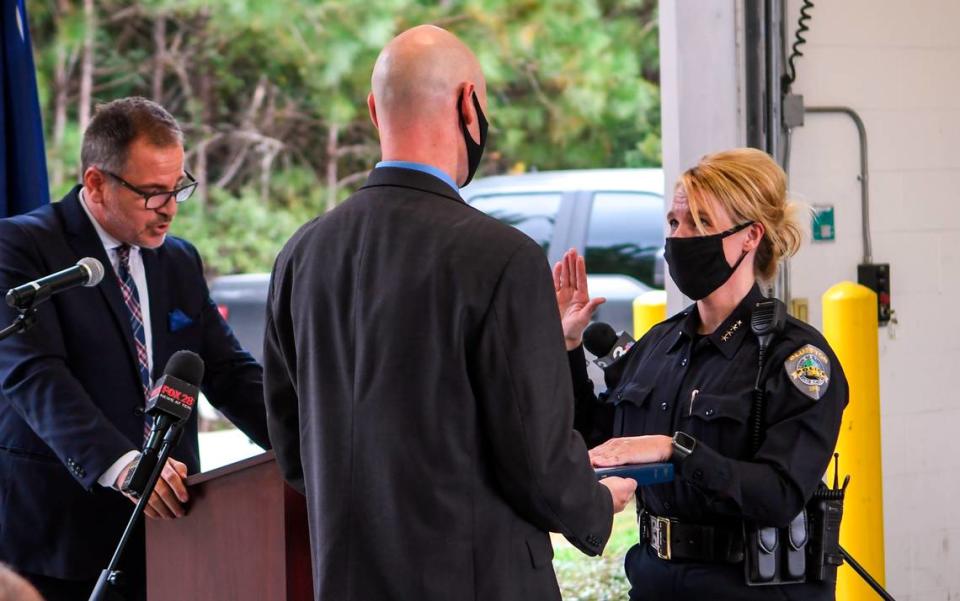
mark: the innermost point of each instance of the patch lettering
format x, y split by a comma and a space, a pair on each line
809, 370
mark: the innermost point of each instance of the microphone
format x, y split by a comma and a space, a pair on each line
87, 272
171, 402
602, 341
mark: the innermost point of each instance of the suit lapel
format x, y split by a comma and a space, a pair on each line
83, 239
156, 284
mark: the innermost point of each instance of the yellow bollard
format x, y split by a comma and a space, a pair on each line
850, 326
649, 309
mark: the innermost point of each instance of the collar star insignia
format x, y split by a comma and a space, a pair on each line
729, 333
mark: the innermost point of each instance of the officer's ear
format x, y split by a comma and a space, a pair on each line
755, 234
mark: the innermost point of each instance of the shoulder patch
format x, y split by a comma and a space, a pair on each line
809, 370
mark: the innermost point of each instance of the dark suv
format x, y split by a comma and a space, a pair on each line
614, 217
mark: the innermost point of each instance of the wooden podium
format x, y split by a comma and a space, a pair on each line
244, 538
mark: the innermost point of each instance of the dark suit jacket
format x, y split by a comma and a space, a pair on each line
417, 389
71, 401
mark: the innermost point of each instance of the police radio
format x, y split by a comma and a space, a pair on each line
767, 321
825, 509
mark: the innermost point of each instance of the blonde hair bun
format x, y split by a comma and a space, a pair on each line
750, 186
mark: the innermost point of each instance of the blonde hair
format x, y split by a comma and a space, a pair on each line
749, 186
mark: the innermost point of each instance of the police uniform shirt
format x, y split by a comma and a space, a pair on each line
676, 379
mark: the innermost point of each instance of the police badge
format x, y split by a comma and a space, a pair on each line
809, 370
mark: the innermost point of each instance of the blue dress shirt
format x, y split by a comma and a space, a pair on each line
423, 168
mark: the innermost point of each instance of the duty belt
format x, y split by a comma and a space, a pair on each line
675, 540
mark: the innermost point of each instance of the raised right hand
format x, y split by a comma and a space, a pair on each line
621, 489
573, 297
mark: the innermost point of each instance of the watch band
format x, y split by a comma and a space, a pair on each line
125, 485
683, 445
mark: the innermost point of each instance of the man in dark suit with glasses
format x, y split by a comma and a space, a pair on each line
73, 388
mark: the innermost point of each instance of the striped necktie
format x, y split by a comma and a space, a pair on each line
131, 299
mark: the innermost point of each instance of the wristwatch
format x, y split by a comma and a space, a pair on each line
125, 485
683, 445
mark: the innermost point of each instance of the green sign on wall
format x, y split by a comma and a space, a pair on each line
823, 227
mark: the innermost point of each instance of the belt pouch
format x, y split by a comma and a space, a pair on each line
796, 548
761, 559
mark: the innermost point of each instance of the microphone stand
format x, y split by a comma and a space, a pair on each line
26, 320
110, 578
863, 573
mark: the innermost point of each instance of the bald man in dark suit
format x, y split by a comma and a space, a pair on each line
416, 383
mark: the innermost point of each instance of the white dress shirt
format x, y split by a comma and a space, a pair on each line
110, 244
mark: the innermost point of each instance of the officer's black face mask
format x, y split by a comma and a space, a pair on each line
698, 264
474, 149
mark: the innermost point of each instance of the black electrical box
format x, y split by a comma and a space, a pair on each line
876, 276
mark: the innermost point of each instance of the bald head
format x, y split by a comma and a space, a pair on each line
424, 84
419, 74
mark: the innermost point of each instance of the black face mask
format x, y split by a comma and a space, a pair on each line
474, 149
698, 264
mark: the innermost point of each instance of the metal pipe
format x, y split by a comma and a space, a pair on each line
776, 132
768, 88
774, 66
755, 74
864, 174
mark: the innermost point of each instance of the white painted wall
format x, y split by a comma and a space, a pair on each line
898, 65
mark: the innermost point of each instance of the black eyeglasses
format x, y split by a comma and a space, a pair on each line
158, 200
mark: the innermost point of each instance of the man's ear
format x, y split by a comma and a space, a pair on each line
372, 107
467, 109
93, 184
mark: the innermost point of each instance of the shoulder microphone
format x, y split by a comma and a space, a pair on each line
87, 272
171, 402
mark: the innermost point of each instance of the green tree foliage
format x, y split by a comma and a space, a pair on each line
272, 94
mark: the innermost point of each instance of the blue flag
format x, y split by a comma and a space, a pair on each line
23, 165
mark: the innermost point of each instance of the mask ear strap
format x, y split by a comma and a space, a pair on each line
743, 256
734, 230
737, 228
